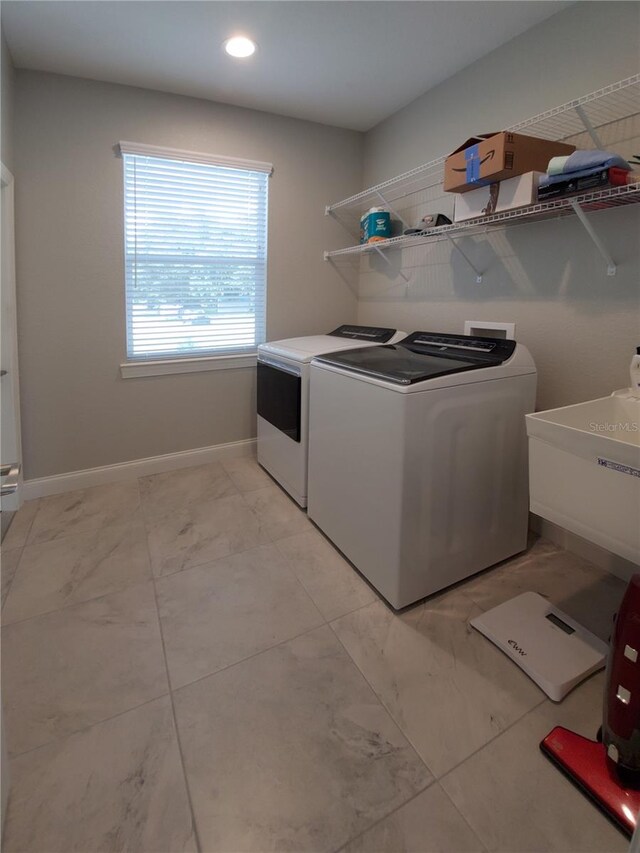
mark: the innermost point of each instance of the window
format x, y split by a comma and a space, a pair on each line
195, 253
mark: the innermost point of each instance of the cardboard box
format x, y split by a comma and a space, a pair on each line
498, 197
493, 157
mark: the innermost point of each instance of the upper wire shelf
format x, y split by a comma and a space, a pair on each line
591, 114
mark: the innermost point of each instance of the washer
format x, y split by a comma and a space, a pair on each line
418, 458
283, 399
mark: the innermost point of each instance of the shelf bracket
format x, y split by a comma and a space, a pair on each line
386, 259
391, 209
464, 255
589, 127
588, 227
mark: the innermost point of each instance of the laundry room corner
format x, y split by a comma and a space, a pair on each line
547, 277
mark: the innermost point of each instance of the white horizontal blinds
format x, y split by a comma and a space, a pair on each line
195, 256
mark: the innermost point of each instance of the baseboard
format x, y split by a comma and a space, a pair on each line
59, 483
600, 557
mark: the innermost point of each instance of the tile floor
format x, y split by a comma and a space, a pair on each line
189, 665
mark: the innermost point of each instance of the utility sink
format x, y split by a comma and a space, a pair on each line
584, 470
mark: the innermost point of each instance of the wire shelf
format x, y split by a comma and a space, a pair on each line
430, 174
590, 114
611, 104
588, 202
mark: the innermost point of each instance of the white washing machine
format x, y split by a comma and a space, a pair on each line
418, 458
283, 398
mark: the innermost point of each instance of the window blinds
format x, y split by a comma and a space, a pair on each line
195, 253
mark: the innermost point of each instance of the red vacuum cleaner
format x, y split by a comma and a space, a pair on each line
608, 769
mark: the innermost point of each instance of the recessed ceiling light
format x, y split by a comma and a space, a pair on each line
240, 46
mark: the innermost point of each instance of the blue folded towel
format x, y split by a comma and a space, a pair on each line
549, 180
583, 159
580, 160
581, 164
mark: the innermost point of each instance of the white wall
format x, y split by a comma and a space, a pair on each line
581, 326
76, 410
7, 86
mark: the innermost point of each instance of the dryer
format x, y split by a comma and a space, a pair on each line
283, 398
418, 458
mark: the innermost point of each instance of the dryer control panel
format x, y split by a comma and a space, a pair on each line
371, 334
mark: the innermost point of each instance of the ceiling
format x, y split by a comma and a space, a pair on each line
349, 64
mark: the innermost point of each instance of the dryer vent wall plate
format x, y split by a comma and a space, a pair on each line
490, 329
553, 649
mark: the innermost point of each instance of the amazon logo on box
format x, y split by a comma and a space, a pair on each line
491, 157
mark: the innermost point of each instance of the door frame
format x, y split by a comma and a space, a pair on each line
9, 324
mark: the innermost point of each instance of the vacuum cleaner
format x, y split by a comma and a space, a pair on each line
608, 769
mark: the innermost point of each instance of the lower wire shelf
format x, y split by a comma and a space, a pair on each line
573, 205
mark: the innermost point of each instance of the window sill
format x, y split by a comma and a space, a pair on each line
134, 369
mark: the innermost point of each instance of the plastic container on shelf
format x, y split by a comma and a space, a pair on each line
375, 225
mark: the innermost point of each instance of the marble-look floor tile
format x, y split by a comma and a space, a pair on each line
74, 667
205, 532
330, 580
8, 564
291, 751
222, 612
78, 568
279, 515
87, 509
449, 689
246, 473
516, 800
16, 535
580, 589
117, 786
429, 823
163, 494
